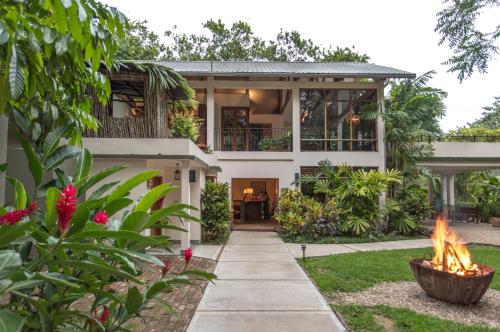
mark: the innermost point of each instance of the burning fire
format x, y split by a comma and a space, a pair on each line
451, 255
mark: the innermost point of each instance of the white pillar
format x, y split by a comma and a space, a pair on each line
185, 199
444, 193
4, 125
380, 126
451, 195
296, 120
210, 116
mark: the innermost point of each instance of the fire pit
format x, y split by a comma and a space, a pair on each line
451, 276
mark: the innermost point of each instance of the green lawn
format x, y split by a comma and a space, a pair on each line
348, 239
361, 318
356, 271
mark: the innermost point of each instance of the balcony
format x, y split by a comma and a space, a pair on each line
253, 139
314, 140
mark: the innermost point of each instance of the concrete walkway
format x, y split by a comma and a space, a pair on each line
315, 250
260, 287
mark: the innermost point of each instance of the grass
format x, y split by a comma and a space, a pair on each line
361, 318
347, 239
353, 272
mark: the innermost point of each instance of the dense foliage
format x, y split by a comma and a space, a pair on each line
139, 43
490, 118
185, 125
413, 208
473, 134
473, 49
216, 213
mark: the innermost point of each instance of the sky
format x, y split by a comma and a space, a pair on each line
394, 33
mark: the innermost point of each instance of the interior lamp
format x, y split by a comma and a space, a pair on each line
248, 191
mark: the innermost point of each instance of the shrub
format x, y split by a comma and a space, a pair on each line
298, 214
412, 207
185, 125
215, 212
465, 134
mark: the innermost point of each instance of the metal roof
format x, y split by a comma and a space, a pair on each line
309, 69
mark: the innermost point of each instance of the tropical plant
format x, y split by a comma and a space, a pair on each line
412, 207
412, 111
216, 214
472, 48
356, 193
54, 254
486, 196
291, 213
185, 125
490, 118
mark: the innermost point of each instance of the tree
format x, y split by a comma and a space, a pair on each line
490, 118
412, 111
139, 43
472, 48
238, 42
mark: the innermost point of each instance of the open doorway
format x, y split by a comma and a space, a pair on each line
254, 203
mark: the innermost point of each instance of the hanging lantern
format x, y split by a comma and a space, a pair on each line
177, 173
354, 119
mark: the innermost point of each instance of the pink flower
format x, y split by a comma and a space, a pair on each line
187, 255
101, 217
13, 217
66, 206
104, 315
165, 268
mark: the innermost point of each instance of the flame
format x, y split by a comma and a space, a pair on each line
451, 255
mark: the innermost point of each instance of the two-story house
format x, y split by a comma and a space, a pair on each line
266, 122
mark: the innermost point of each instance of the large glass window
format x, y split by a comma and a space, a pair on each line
332, 120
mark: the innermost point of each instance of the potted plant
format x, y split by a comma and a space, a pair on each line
267, 144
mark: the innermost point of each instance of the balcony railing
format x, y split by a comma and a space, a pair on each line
314, 140
253, 139
462, 138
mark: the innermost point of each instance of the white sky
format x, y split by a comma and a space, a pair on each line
395, 33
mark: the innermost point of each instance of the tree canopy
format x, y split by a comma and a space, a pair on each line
490, 118
236, 41
472, 48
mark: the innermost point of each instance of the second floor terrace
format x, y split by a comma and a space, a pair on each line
259, 106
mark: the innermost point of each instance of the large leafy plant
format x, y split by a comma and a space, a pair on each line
185, 125
216, 213
72, 247
356, 194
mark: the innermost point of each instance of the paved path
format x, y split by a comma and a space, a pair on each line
260, 287
315, 250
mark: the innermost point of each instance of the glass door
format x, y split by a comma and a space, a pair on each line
235, 128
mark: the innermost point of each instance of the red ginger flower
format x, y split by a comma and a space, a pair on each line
187, 255
13, 217
165, 268
101, 217
66, 206
104, 315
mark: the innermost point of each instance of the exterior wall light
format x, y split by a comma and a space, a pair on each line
177, 173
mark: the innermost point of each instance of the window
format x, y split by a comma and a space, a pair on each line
127, 99
332, 120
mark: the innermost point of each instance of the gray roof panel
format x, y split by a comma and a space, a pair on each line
262, 68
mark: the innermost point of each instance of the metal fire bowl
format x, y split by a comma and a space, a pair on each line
452, 288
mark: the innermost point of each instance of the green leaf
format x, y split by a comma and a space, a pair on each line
60, 155
125, 235
79, 219
153, 195
10, 322
208, 275
114, 206
131, 183
20, 193
11, 233
102, 189
51, 216
34, 162
97, 178
168, 211
134, 300
58, 279
83, 164
52, 140
3, 168
86, 265
10, 262
16, 73
135, 221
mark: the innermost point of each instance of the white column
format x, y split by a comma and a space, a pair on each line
210, 115
380, 125
296, 120
185, 199
451, 195
4, 125
444, 193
